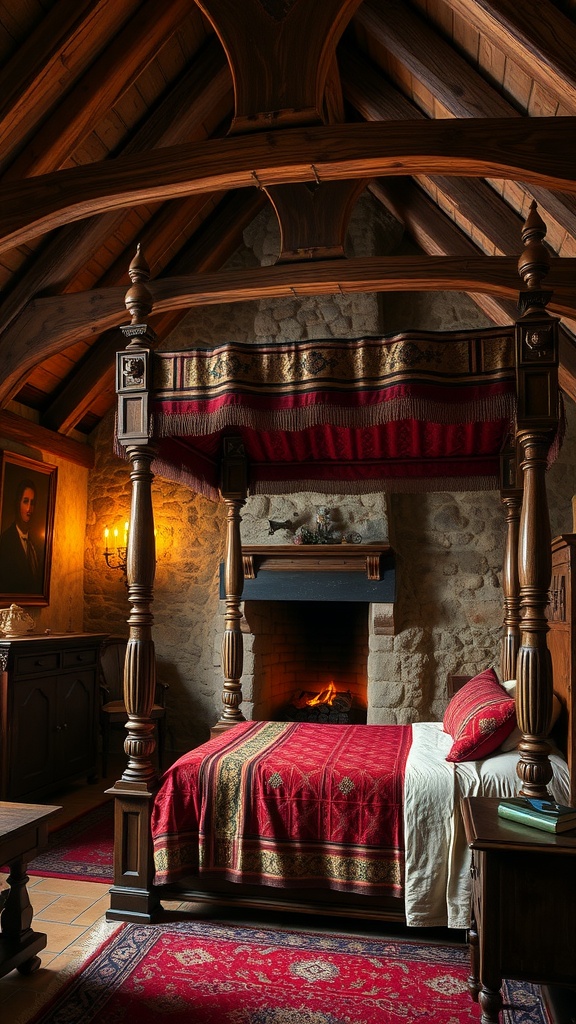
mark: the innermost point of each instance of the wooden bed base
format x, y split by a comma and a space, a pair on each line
527, 573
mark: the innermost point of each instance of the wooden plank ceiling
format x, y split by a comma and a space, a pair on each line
172, 125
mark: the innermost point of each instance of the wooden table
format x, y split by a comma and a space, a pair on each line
23, 833
523, 904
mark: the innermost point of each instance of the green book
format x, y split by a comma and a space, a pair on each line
543, 814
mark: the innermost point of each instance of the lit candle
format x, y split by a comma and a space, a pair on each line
106, 532
115, 536
126, 527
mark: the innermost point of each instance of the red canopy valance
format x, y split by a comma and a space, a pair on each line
415, 411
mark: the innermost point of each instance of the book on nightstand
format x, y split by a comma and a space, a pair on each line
544, 814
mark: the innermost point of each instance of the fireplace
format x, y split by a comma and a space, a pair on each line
309, 612
303, 647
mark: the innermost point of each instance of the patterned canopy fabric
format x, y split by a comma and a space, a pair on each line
414, 411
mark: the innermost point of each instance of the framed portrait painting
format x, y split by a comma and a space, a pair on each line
27, 499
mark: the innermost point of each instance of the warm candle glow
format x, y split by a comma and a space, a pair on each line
106, 534
126, 528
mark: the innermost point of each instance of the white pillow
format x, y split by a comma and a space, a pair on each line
512, 741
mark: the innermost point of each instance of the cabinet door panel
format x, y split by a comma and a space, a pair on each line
76, 751
33, 736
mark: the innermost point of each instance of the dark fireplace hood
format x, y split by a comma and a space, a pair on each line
318, 572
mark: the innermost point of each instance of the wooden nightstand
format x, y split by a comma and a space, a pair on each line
523, 904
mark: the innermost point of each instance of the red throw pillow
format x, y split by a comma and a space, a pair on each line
479, 718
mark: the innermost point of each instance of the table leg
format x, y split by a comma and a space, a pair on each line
19, 944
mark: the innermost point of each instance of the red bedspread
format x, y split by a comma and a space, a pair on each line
287, 805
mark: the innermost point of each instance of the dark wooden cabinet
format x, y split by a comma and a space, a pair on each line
523, 904
48, 712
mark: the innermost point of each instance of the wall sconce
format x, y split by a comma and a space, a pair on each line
115, 556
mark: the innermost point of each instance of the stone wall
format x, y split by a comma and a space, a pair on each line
449, 546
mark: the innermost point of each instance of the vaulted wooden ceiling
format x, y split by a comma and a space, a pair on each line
173, 124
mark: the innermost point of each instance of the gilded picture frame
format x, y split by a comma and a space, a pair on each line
27, 503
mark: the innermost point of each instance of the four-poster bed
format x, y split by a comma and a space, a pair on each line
415, 411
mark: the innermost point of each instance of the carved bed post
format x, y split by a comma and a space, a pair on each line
132, 896
537, 385
511, 497
233, 489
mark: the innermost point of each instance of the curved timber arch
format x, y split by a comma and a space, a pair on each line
539, 151
49, 325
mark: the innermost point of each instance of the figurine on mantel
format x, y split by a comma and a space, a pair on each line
326, 531
14, 621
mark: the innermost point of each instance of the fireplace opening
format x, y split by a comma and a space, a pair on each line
309, 651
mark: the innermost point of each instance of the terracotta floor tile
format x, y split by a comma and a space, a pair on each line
72, 887
60, 935
40, 900
93, 912
65, 909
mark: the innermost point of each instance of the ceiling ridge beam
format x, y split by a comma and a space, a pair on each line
537, 150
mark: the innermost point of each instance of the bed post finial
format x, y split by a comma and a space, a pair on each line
138, 299
537, 424
533, 264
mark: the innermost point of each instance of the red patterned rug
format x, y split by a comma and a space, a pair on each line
213, 973
82, 849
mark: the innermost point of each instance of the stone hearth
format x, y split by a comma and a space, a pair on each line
309, 612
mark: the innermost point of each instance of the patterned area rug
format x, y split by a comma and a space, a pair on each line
213, 973
82, 849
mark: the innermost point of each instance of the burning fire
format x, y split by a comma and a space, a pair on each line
324, 697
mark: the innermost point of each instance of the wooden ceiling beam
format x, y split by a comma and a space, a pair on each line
51, 324
281, 80
50, 59
538, 37
102, 85
431, 59
180, 116
536, 150
438, 235
374, 97
436, 65
213, 244
25, 431
313, 219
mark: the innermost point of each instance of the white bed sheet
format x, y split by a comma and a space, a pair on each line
437, 859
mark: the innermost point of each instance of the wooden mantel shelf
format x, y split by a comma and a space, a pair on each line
314, 558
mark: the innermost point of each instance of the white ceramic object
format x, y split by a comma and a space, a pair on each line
14, 621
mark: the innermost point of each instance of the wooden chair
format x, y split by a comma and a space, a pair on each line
112, 706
